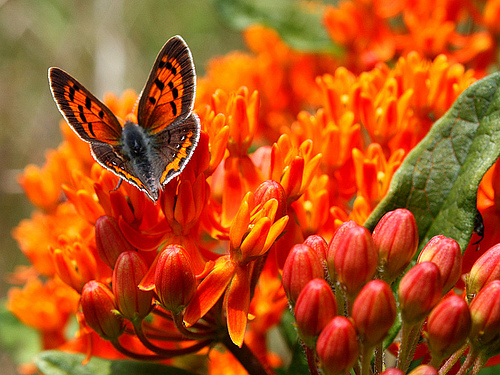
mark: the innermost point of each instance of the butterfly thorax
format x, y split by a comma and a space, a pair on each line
136, 148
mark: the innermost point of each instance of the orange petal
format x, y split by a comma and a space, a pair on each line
237, 304
210, 290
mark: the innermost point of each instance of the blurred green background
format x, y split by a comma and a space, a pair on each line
108, 45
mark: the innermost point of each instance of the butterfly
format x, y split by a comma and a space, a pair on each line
153, 150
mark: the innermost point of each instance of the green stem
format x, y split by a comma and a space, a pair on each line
128, 353
379, 358
366, 357
453, 359
311, 360
469, 361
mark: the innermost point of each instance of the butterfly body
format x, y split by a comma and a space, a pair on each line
149, 153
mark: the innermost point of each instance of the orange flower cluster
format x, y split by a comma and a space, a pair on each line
292, 145
374, 31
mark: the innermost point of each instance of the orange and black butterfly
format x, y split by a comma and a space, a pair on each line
151, 152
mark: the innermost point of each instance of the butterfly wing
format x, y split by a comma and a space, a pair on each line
168, 96
175, 146
87, 115
112, 158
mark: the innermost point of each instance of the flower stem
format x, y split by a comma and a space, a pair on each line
311, 360
452, 360
246, 357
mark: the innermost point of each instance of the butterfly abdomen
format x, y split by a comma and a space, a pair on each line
137, 150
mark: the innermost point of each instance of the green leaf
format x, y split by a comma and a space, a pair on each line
493, 370
20, 341
439, 178
299, 25
55, 362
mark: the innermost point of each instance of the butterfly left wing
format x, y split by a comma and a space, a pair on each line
87, 115
111, 157
168, 96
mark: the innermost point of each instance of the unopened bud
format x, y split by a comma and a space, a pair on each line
337, 346
271, 189
99, 309
445, 253
419, 291
109, 240
374, 312
319, 245
301, 266
485, 316
175, 280
424, 370
485, 269
396, 241
334, 244
448, 326
355, 259
129, 270
315, 307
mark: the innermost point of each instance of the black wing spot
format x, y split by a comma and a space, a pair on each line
152, 100
161, 64
88, 103
101, 114
174, 108
159, 84
71, 93
77, 88
175, 93
91, 129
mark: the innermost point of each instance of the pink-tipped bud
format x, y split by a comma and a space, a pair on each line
392, 371
337, 346
374, 312
419, 291
485, 316
315, 307
396, 241
129, 270
445, 253
175, 280
271, 189
334, 244
319, 245
109, 240
301, 266
355, 259
99, 309
485, 269
448, 326
424, 370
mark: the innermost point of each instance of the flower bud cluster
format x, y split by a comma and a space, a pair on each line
344, 305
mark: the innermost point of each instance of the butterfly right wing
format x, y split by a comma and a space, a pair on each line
87, 115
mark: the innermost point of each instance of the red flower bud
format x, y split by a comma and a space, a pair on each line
445, 253
485, 316
484, 270
396, 241
337, 346
315, 307
175, 280
109, 240
319, 245
355, 259
448, 326
132, 302
301, 266
271, 189
334, 244
424, 370
99, 310
392, 371
419, 291
374, 311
